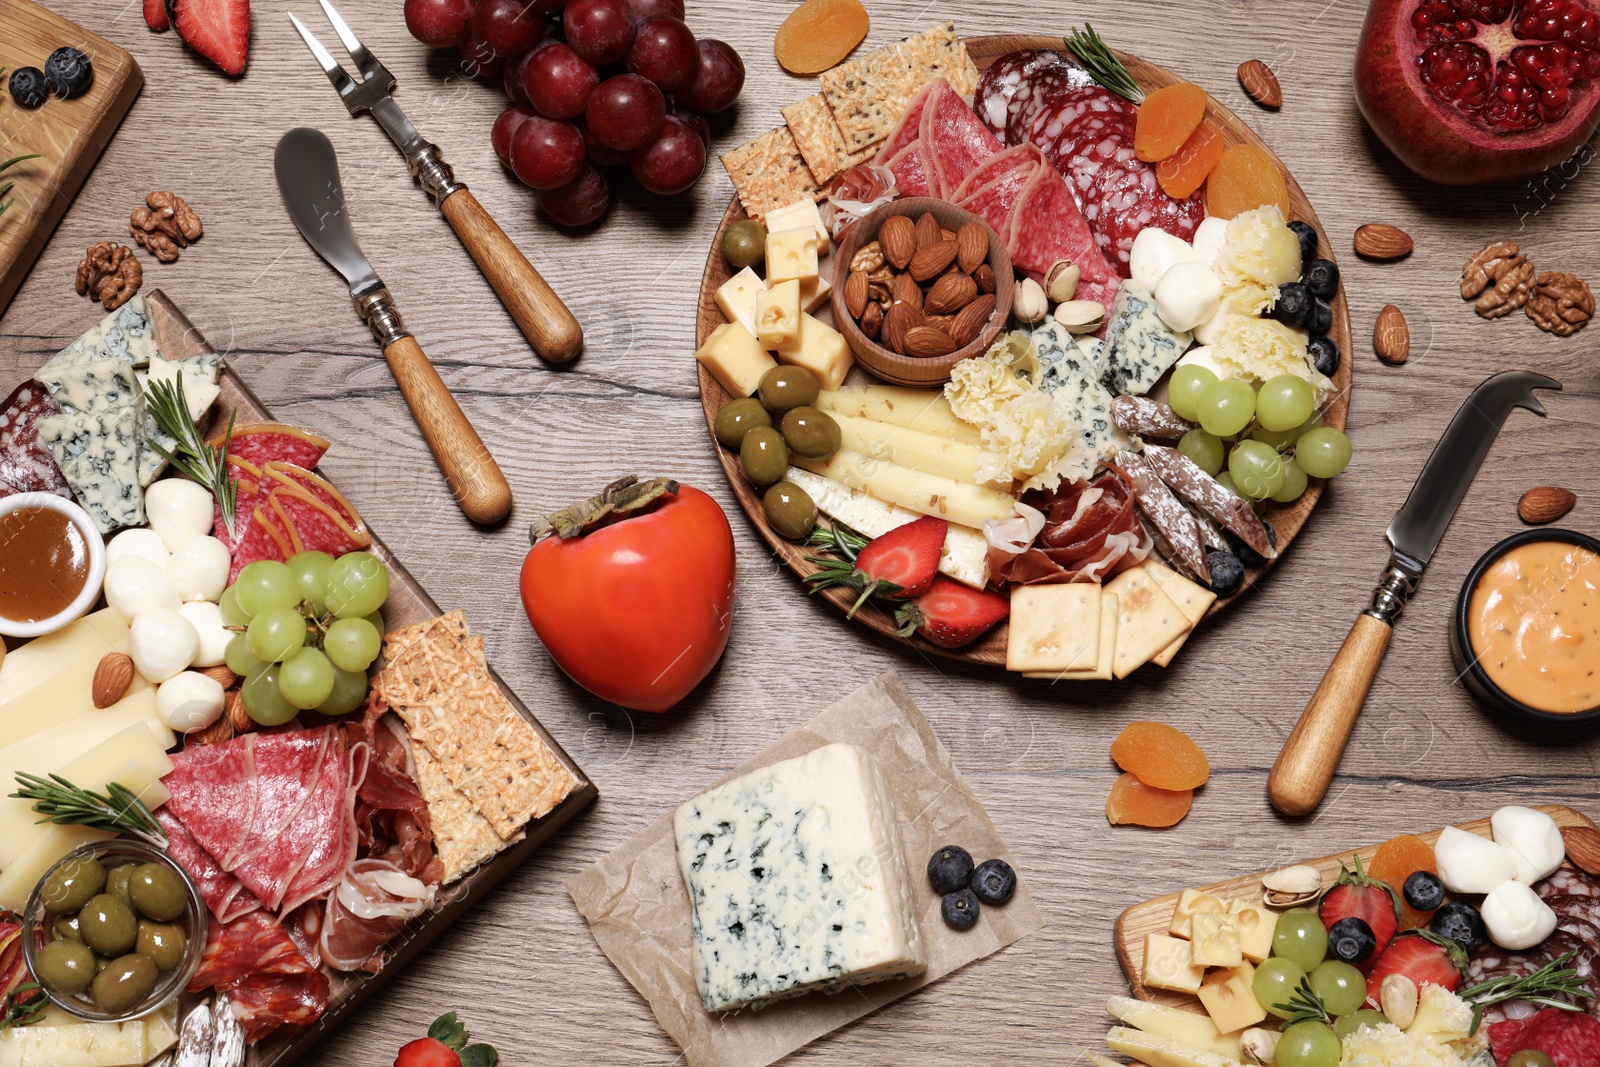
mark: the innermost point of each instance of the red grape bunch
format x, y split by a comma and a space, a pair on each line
593, 84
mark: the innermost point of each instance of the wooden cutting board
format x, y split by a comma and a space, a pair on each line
1155, 916
67, 135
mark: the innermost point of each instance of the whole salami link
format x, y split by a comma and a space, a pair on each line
1148, 418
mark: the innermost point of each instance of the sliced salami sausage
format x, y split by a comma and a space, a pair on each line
1069, 120
1570, 882
25, 465
956, 142
1570, 1039
1007, 76
1491, 962
1034, 95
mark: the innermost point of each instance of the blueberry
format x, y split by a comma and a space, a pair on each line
1424, 891
1307, 237
1295, 306
1322, 278
1321, 315
949, 869
1351, 940
1249, 556
1324, 353
1227, 573
28, 87
68, 72
994, 881
1461, 923
960, 909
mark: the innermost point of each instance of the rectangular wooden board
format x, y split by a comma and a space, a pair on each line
408, 603
1155, 916
67, 135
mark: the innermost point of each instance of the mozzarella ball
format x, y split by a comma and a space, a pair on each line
206, 618
1471, 864
1187, 295
199, 568
1532, 838
1208, 239
137, 542
1515, 916
1153, 251
189, 701
134, 585
162, 643
1204, 356
178, 509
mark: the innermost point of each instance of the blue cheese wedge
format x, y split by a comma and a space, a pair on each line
797, 881
1138, 347
126, 334
199, 391
100, 387
99, 457
1071, 377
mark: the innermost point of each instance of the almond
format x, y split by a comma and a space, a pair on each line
1260, 83
929, 232
221, 674
906, 291
1545, 503
898, 236
984, 276
931, 261
902, 318
925, 342
236, 714
950, 294
1583, 847
855, 294
942, 323
970, 322
1391, 337
948, 235
112, 677
872, 321
215, 734
972, 246
1379, 240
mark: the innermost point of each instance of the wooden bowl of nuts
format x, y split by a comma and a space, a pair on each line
919, 285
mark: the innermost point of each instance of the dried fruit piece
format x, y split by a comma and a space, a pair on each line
818, 34
1160, 755
1398, 859
1132, 803
1245, 178
1186, 170
1166, 118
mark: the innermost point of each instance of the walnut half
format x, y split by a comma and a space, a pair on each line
163, 224
109, 273
1561, 303
1501, 278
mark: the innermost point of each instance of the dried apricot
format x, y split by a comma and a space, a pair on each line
1187, 169
1132, 803
1160, 755
1245, 178
1398, 859
820, 33
1165, 120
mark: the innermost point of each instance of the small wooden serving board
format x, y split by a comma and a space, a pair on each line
1155, 916
67, 135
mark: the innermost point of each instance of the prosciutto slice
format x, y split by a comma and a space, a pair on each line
372, 903
225, 896
268, 979
1091, 534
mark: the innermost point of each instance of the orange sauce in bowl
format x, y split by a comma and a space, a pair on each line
44, 563
1535, 625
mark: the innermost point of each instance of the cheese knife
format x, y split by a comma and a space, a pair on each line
308, 178
1305, 767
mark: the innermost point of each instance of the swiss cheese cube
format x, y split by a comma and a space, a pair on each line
1214, 941
799, 214
791, 254
1191, 901
735, 358
814, 292
1054, 627
1230, 1000
736, 298
1256, 925
1167, 966
778, 316
820, 349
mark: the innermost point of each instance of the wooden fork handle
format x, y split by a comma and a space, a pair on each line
545, 321
474, 477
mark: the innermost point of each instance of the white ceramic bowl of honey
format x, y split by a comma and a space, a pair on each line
52, 563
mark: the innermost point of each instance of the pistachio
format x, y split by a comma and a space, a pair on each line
1290, 886
1080, 316
1028, 303
1061, 280
1397, 996
1259, 1046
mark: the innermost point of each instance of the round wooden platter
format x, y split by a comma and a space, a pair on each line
1286, 519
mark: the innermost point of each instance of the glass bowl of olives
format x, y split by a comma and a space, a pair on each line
114, 931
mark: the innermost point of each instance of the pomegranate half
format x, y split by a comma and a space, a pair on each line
1473, 91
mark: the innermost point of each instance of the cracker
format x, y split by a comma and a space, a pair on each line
461, 835
817, 136
1054, 628
1147, 620
1101, 671
770, 172
868, 95
1192, 599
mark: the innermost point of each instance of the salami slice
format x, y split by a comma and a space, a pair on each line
312, 525
1570, 1039
908, 129
1049, 227
263, 538
262, 442
956, 142
1492, 962
1007, 76
1034, 95
996, 203
910, 169
287, 474
1073, 118
1210, 496
1568, 881
1125, 197
25, 464
1011, 163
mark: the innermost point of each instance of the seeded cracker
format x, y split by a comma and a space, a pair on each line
868, 95
461, 835
770, 173
819, 140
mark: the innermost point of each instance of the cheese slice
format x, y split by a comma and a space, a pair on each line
1054, 628
77, 646
64, 698
910, 448
1192, 599
60, 1040
1101, 671
1147, 620
916, 409
926, 494
18, 880
736, 298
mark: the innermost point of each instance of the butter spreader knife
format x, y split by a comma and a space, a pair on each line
1305, 767
308, 178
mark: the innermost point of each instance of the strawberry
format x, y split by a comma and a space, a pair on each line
155, 15
1422, 956
446, 1046
899, 565
951, 614
217, 29
1360, 897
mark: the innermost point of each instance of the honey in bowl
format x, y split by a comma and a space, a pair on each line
1534, 624
44, 563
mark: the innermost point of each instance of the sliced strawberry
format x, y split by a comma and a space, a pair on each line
1422, 956
155, 15
1360, 897
951, 614
900, 564
217, 29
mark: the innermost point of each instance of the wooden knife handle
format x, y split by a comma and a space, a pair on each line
474, 477
544, 320
1304, 768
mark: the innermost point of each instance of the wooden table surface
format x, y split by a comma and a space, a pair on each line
524, 971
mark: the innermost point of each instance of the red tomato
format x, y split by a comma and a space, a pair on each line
637, 612
426, 1052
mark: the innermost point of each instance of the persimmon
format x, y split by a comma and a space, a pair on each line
818, 34
1132, 803
1398, 859
1166, 119
1161, 756
1186, 170
1245, 178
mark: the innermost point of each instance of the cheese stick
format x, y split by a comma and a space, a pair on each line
909, 448
926, 494
915, 409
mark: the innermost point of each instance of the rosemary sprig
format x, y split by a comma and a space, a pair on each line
195, 457
1102, 63
6, 188
1303, 1006
838, 539
118, 812
22, 1005
1555, 979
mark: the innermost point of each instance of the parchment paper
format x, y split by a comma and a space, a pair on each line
638, 909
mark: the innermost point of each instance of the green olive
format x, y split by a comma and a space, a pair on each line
117, 883
764, 456
65, 967
810, 432
783, 388
71, 884
158, 892
125, 983
67, 929
744, 244
737, 418
1530, 1057
790, 510
165, 944
108, 925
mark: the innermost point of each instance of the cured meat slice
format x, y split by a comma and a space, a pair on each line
909, 128
1034, 95
956, 141
1569, 1038
263, 1003
1050, 227
264, 538
279, 473
1167, 514
1091, 533
268, 979
1010, 164
1210, 496
214, 795
1568, 881
328, 828
1129, 198
911, 170
312, 525
290, 767
247, 482
25, 464
996, 202
1072, 119
225, 896
1009, 75
1149, 418
262, 442
372, 903
1492, 962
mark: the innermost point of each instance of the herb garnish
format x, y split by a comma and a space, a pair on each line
1102, 63
6, 188
119, 812
195, 457
1543, 987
